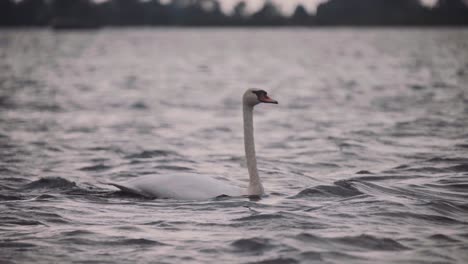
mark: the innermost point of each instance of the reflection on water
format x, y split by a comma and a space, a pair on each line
364, 160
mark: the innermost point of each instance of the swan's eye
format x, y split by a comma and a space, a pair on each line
260, 93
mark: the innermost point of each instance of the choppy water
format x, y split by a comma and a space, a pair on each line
364, 160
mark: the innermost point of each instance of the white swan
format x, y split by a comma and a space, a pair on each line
199, 187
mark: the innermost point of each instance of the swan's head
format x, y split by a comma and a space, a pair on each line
253, 97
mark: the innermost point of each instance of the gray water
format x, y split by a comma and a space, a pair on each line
363, 161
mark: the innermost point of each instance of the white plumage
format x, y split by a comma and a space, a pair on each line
199, 187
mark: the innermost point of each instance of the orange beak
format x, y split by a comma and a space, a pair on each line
265, 99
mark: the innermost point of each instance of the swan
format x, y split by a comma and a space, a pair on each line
200, 187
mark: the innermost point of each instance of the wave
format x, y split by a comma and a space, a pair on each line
406, 191
459, 168
422, 170
451, 186
435, 170
172, 168
341, 188
18, 220
334, 255
412, 186
362, 242
14, 244
417, 218
371, 242
259, 217
448, 160
384, 178
51, 183
139, 105
443, 238
255, 244
278, 260
115, 242
11, 197
447, 207
98, 167
77, 233
148, 154
31, 217
135, 241
53, 188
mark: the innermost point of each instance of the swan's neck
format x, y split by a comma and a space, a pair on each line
255, 185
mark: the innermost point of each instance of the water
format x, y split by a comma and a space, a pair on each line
364, 160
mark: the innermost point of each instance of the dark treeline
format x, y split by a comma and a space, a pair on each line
87, 13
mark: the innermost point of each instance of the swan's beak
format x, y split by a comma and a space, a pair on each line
265, 99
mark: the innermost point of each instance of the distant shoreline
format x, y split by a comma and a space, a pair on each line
88, 14
237, 27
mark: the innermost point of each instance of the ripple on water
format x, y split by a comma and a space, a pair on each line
443, 238
15, 244
409, 217
448, 160
339, 256
339, 189
354, 243
31, 215
447, 207
449, 189
45, 197
134, 242
148, 154
459, 168
172, 168
118, 241
279, 260
139, 105
97, 167
384, 178
259, 217
19, 221
371, 242
10, 197
51, 183
79, 232
255, 245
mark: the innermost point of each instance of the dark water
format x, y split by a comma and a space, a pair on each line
365, 159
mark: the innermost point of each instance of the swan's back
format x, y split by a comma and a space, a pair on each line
184, 187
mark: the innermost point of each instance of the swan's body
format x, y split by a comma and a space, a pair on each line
199, 187
181, 187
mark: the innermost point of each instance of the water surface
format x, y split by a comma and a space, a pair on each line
364, 160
